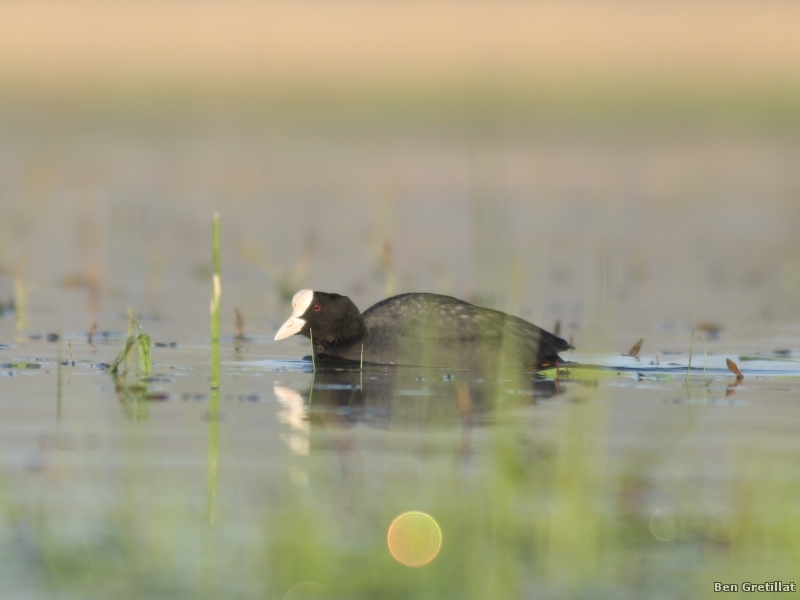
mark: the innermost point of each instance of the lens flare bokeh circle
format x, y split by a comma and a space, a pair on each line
414, 538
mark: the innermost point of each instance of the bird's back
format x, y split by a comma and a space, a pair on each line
435, 330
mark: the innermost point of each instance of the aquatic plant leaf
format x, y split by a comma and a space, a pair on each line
634, 351
129, 343
145, 357
734, 369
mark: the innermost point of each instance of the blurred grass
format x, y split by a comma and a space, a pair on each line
535, 516
475, 108
214, 370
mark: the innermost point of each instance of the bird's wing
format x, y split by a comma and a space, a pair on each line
428, 316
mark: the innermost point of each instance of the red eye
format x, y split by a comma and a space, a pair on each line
317, 307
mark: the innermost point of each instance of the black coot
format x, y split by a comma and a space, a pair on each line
425, 330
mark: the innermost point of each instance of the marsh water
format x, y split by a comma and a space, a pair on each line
648, 476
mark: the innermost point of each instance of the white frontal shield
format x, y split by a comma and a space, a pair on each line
294, 324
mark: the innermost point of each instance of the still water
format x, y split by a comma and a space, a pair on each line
620, 480
617, 477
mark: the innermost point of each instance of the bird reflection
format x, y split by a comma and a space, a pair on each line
343, 402
341, 395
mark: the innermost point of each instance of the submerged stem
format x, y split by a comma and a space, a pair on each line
313, 361
691, 351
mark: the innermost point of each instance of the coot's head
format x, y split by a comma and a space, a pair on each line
326, 317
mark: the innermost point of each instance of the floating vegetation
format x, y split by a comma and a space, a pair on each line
779, 358
133, 392
135, 341
20, 365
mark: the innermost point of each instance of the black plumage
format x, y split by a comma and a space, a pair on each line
421, 330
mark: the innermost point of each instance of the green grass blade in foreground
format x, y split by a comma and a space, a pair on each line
543, 512
213, 409
691, 352
216, 296
313, 360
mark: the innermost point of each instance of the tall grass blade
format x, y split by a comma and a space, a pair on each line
130, 342
60, 381
216, 295
313, 360
20, 295
213, 410
145, 357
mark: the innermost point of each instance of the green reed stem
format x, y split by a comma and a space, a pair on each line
313, 360
705, 362
145, 356
213, 410
705, 354
691, 352
20, 297
216, 295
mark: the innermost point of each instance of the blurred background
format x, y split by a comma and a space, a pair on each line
626, 167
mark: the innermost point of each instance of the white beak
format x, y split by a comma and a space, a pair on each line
292, 326
300, 303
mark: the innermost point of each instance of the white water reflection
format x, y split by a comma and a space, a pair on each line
293, 413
